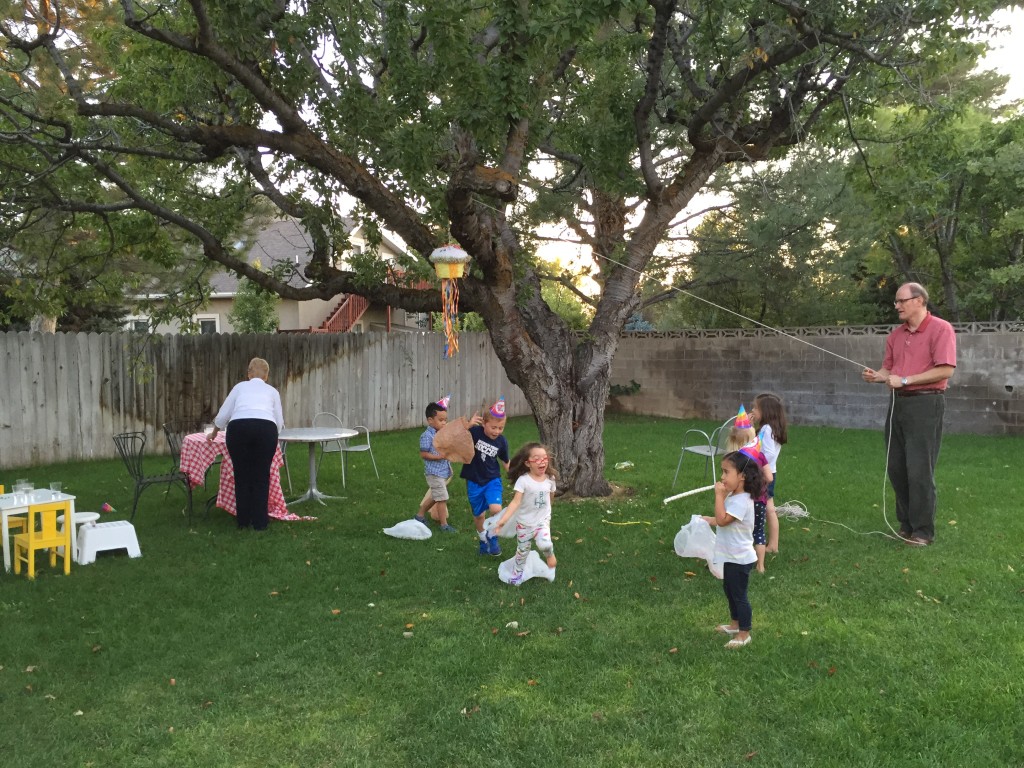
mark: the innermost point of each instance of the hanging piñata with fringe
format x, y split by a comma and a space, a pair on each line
449, 263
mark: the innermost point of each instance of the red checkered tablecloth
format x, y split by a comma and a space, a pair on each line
198, 454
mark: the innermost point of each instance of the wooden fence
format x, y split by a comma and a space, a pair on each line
65, 395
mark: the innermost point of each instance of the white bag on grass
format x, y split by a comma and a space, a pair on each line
409, 529
696, 539
534, 567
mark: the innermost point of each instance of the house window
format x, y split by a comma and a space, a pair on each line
208, 323
137, 324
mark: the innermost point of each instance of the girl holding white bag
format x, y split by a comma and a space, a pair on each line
742, 481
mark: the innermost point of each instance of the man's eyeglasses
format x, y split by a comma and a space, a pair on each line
898, 302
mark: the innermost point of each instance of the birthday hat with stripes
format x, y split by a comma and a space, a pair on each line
742, 419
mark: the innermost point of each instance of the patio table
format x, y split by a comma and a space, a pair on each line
314, 436
198, 454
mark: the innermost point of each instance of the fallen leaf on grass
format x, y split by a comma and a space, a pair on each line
689, 574
952, 522
831, 671
579, 541
905, 570
599, 716
466, 712
206, 704
172, 681
531, 682
31, 669
494, 630
558, 631
79, 713
576, 595
409, 626
275, 594
95, 649
335, 611
806, 529
524, 633
407, 634
50, 697
673, 650
750, 755
512, 625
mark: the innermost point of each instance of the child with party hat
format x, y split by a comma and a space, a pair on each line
742, 431
436, 468
483, 474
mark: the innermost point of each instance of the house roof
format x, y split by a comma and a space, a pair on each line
283, 241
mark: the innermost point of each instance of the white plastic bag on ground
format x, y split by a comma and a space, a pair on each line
409, 529
534, 567
696, 539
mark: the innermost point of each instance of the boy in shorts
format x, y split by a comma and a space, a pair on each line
483, 474
436, 468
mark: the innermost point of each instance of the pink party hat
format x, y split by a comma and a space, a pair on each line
443, 402
498, 409
105, 507
742, 419
753, 450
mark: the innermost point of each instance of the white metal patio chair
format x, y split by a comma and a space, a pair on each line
328, 419
699, 442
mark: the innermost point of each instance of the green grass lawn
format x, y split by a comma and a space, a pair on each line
228, 648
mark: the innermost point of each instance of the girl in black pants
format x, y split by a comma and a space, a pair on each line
742, 481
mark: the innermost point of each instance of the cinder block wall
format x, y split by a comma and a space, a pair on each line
707, 375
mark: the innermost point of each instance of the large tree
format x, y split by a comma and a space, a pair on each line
444, 119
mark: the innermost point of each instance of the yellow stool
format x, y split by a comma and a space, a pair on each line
43, 533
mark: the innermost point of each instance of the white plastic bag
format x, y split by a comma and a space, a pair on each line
508, 530
696, 539
409, 529
534, 567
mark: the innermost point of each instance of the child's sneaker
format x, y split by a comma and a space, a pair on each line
493, 547
448, 528
484, 549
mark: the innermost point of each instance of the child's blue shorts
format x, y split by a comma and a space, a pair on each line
482, 496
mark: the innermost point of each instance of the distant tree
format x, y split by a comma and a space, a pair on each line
254, 309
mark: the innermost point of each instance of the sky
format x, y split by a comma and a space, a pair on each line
1005, 56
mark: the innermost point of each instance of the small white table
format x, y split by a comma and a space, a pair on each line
10, 507
313, 436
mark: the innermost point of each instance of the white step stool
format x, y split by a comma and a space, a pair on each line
101, 537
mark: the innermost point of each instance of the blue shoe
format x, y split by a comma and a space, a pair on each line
484, 549
448, 528
419, 519
493, 547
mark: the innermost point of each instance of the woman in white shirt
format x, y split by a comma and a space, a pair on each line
252, 416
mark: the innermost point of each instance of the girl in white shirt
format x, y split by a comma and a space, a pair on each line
534, 476
742, 481
769, 413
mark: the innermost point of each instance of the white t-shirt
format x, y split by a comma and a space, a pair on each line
734, 543
770, 447
535, 506
252, 399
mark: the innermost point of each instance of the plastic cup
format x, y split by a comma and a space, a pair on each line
55, 490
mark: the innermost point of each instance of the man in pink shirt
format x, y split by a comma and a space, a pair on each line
920, 356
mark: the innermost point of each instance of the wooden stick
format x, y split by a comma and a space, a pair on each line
689, 493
